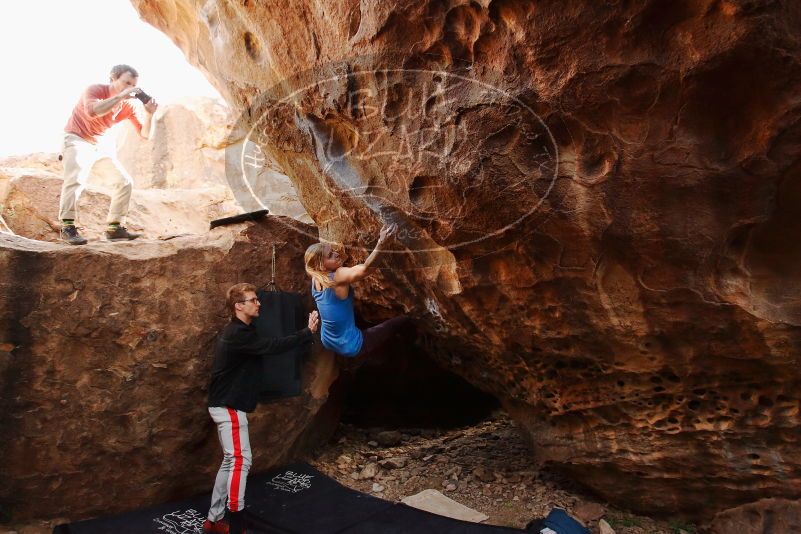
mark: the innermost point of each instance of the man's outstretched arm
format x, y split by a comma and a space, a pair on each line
255, 345
251, 344
98, 108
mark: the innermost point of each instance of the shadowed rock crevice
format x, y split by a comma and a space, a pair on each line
761, 262
404, 388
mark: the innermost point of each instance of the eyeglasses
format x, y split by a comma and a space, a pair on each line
254, 300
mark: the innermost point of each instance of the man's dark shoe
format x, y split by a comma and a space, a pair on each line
69, 234
120, 233
237, 522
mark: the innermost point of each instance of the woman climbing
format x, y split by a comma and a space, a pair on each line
334, 296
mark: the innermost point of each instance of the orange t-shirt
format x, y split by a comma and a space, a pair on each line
87, 127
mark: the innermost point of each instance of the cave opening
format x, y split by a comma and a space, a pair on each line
405, 387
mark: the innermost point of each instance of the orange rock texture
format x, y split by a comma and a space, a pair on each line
598, 204
766, 515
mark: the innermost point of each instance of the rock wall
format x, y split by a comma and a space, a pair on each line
760, 517
187, 148
185, 176
598, 206
105, 353
29, 199
196, 144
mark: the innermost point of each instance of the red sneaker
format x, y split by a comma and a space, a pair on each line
215, 527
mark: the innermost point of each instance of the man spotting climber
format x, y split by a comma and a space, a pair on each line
99, 108
233, 392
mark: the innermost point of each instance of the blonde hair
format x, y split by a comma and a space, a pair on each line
314, 258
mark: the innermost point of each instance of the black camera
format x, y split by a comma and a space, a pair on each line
143, 96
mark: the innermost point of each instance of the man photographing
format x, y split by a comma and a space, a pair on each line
233, 392
100, 107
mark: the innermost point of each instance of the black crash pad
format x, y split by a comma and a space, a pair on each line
281, 314
295, 499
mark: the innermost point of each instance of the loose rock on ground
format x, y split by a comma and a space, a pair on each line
487, 467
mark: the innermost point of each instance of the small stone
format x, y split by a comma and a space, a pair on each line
605, 528
342, 440
377, 488
427, 457
483, 474
388, 438
396, 462
344, 459
515, 498
450, 487
589, 511
372, 443
370, 471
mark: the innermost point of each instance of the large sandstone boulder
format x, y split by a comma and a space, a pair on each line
187, 148
105, 353
196, 144
29, 198
761, 517
185, 176
598, 205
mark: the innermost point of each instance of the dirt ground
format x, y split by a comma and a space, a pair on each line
486, 467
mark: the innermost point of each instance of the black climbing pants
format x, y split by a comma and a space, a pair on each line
374, 337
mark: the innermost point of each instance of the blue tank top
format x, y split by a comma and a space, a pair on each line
338, 331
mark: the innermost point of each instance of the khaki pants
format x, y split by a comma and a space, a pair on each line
79, 158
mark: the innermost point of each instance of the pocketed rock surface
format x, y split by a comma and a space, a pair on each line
597, 204
486, 467
105, 356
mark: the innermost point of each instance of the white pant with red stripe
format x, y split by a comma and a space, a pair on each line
232, 427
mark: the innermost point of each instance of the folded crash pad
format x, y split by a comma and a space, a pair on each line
236, 219
281, 314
